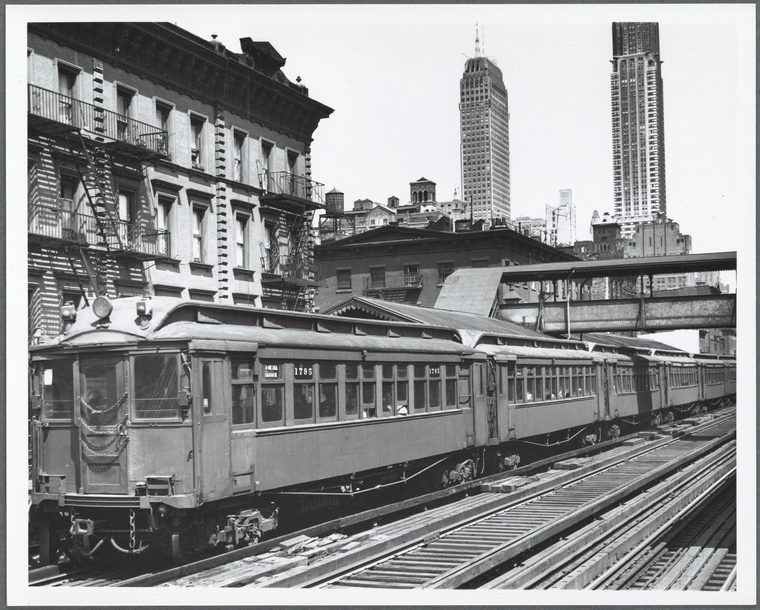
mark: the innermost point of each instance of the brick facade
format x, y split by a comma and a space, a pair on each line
194, 147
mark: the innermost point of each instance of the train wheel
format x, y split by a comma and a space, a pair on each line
669, 417
656, 420
613, 432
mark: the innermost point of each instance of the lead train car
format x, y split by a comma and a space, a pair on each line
158, 422
174, 424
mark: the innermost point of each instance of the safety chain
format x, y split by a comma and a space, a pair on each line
132, 529
102, 411
106, 430
97, 448
101, 467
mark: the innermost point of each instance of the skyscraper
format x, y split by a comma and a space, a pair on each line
638, 134
485, 138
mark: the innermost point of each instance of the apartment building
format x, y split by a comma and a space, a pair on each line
164, 164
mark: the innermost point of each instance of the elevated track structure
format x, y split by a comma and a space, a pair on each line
479, 291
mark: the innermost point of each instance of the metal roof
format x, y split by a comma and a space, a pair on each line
405, 312
471, 292
646, 265
629, 342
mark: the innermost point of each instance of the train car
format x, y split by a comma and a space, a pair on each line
165, 422
184, 426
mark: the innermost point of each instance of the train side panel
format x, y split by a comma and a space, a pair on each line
300, 454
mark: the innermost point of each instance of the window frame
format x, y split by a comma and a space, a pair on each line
240, 135
159, 103
244, 233
197, 140
343, 286
205, 209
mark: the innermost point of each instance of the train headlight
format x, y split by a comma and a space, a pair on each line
145, 307
102, 307
69, 312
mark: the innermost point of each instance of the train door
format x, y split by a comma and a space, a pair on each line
103, 432
480, 403
506, 388
607, 374
211, 403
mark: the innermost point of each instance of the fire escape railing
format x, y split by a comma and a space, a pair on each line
96, 120
57, 222
285, 183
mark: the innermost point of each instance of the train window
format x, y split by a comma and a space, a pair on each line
243, 394
57, 389
328, 391
156, 386
352, 389
435, 393
419, 395
206, 382
519, 384
591, 380
272, 402
369, 400
464, 386
510, 372
451, 393
98, 384
303, 401
387, 396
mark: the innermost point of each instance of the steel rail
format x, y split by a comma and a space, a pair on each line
520, 537
583, 555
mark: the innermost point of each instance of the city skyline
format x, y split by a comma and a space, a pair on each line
394, 84
392, 75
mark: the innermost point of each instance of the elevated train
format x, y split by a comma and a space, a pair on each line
183, 425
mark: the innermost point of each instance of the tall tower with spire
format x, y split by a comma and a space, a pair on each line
484, 127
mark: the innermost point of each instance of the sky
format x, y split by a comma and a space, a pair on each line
391, 74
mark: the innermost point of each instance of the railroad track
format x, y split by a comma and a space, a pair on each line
587, 555
699, 553
455, 557
451, 545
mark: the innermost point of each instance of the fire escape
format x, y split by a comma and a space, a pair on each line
288, 273
95, 138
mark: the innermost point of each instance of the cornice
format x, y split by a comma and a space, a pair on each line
183, 63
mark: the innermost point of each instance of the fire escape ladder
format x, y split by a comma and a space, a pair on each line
76, 275
96, 265
97, 186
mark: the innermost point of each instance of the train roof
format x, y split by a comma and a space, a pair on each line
473, 329
184, 320
629, 343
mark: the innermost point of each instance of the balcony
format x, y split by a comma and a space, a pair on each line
57, 114
57, 225
284, 187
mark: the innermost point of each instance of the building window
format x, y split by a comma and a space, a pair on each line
241, 241
238, 156
199, 233
127, 216
164, 225
163, 119
67, 87
197, 125
444, 271
344, 279
377, 277
411, 275
271, 260
265, 165
124, 113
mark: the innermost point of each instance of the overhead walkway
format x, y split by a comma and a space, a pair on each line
478, 291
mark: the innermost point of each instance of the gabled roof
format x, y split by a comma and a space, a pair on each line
465, 323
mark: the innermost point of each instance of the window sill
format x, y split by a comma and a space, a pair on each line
204, 266
343, 290
242, 273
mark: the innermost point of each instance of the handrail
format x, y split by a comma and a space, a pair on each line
96, 120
